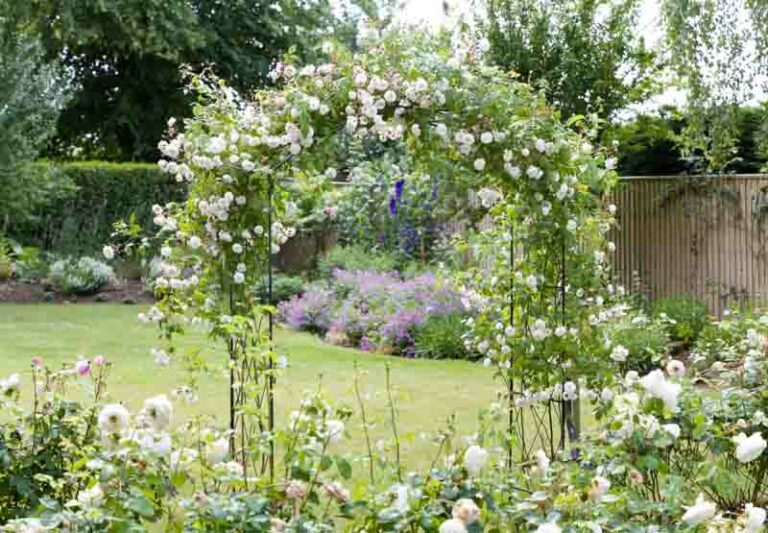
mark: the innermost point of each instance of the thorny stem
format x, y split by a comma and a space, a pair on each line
292, 443
313, 481
365, 422
393, 421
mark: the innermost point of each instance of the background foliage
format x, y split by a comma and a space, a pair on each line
125, 56
87, 198
586, 55
32, 90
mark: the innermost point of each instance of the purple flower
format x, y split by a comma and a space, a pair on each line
392, 206
399, 184
366, 345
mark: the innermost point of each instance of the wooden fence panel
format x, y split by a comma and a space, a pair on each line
705, 236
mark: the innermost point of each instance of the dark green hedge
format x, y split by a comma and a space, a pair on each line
86, 198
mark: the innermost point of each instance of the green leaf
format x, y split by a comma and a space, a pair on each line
345, 469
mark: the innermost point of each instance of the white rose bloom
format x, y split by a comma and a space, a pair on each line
749, 448
466, 511
600, 487
155, 443
606, 395
675, 368
657, 386
542, 461
157, 412
108, 251
452, 526
534, 172
114, 418
560, 331
548, 527
610, 163
238, 278
335, 430
161, 358
754, 518
672, 429
165, 251
10, 384
700, 512
619, 354
218, 450
474, 459
486, 137
488, 197
532, 282
513, 171
194, 242
479, 164
91, 498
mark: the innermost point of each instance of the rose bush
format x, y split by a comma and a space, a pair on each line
664, 453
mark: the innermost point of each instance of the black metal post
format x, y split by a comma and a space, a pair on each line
271, 322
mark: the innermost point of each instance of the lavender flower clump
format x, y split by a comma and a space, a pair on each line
370, 310
310, 311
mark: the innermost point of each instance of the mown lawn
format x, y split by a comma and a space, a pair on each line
427, 392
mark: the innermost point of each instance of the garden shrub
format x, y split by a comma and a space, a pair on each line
727, 340
6, 261
687, 316
32, 265
441, 337
90, 196
283, 288
645, 339
80, 276
356, 258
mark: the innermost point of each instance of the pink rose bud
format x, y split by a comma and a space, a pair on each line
99, 360
83, 367
37, 361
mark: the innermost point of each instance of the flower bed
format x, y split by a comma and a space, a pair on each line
370, 310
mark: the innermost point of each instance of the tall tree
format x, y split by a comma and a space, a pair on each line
718, 49
32, 92
586, 54
126, 57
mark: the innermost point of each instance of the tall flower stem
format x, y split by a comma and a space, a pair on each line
366, 434
393, 422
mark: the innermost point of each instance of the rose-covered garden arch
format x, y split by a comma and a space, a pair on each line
539, 291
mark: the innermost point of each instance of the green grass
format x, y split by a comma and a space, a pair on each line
427, 391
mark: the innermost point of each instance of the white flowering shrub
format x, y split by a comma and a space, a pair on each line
80, 276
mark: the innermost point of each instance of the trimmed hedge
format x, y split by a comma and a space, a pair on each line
87, 197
